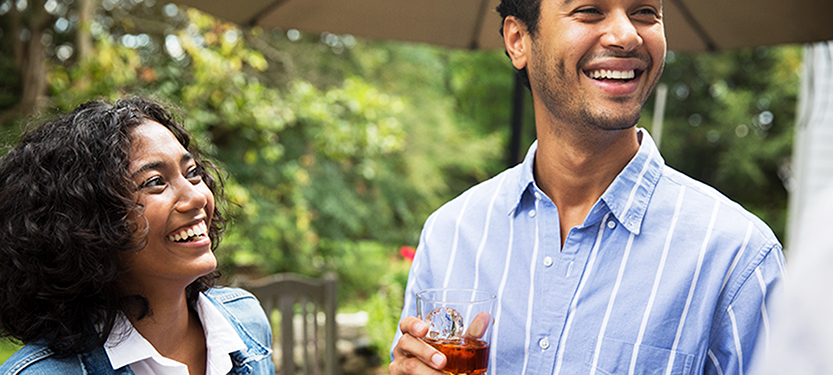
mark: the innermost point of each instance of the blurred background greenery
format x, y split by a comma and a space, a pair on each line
338, 148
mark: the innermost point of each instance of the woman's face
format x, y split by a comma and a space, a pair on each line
177, 207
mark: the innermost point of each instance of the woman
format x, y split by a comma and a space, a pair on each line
108, 223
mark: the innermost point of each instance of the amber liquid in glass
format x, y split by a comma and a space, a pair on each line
464, 356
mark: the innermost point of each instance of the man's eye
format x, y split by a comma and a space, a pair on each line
648, 12
588, 11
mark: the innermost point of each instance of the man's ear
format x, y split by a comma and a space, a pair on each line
517, 41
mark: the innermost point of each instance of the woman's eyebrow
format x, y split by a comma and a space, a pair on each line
160, 164
151, 165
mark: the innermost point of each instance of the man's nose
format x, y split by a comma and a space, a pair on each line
620, 32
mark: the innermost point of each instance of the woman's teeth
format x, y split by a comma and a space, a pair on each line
195, 231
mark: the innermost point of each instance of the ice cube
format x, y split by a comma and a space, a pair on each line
444, 323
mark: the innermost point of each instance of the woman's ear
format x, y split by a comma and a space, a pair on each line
516, 39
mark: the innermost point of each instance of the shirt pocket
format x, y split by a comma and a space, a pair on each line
615, 358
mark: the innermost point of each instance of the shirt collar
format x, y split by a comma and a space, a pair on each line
628, 195
126, 346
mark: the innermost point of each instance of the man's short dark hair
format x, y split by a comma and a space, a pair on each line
528, 12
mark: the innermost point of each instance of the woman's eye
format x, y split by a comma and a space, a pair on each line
154, 181
195, 173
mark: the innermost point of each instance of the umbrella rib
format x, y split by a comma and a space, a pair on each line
481, 14
698, 28
263, 12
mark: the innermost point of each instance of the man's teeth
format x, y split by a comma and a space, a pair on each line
196, 230
612, 74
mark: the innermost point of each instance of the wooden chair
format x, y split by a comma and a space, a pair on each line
293, 294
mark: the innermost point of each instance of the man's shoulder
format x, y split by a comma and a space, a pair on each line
700, 196
502, 188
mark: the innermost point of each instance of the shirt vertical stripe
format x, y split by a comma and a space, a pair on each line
611, 302
496, 328
715, 362
636, 186
709, 229
486, 233
736, 336
409, 292
764, 315
456, 240
657, 279
531, 290
571, 314
737, 257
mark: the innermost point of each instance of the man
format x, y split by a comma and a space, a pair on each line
604, 260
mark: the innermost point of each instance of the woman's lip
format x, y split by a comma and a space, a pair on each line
184, 229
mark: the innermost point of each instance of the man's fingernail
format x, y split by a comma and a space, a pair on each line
419, 326
437, 359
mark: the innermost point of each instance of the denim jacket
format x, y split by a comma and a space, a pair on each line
238, 306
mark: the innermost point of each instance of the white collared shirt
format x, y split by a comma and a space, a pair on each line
128, 347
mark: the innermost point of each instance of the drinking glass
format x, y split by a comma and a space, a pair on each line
460, 326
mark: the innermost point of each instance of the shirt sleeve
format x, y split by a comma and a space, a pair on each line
742, 327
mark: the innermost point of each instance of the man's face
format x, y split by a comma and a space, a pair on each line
594, 62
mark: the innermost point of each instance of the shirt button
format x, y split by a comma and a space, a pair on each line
531, 213
547, 261
611, 224
537, 195
544, 343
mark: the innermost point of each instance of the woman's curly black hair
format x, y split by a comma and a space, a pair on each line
65, 201
528, 12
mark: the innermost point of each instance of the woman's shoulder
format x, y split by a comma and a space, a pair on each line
239, 306
230, 295
30, 359
37, 359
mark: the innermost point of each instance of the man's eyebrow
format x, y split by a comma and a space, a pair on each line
158, 164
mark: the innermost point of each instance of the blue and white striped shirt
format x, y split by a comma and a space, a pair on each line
665, 276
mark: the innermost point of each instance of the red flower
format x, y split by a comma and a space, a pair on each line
407, 252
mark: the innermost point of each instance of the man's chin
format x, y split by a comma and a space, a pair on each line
610, 121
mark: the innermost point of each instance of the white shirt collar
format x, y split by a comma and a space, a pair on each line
125, 346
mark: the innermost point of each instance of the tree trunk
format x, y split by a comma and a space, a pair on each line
83, 38
33, 67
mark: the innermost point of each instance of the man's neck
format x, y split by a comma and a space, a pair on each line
574, 168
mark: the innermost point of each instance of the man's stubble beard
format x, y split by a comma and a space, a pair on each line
565, 105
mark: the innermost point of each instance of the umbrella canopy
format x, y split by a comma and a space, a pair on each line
691, 25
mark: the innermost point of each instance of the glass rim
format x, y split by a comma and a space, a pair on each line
422, 295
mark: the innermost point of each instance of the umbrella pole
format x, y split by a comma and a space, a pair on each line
517, 122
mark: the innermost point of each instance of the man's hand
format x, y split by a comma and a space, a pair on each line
413, 356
